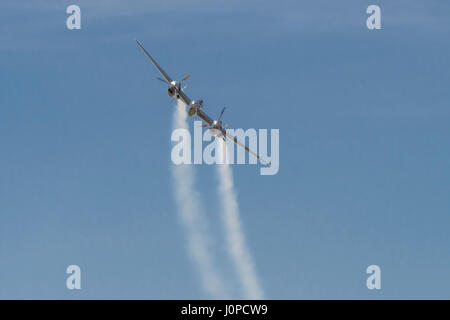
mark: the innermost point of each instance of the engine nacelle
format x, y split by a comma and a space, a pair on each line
171, 91
192, 111
195, 105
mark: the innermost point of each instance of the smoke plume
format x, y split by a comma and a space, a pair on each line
235, 238
193, 220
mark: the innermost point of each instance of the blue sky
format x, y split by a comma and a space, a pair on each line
364, 146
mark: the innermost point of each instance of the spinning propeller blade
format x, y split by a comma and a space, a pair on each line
221, 114
160, 79
185, 78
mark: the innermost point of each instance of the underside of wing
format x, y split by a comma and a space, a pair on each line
184, 97
154, 63
235, 140
204, 117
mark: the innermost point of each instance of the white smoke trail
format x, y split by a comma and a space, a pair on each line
192, 218
235, 238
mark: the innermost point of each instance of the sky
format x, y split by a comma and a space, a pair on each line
85, 169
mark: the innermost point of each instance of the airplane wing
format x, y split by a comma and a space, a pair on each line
184, 97
235, 140
165, 75
204, 117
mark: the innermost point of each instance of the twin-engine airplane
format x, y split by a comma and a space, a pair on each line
215, 127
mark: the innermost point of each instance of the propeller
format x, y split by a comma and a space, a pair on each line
185, 78
163, 80
221, 114
166, 82
216, 121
